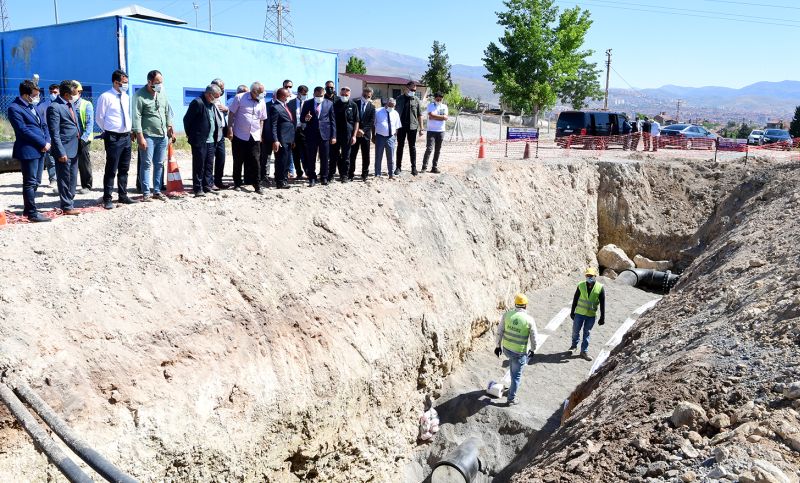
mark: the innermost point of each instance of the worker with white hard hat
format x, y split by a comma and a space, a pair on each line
514, 332
588, 297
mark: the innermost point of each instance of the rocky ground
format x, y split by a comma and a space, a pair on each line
705, 388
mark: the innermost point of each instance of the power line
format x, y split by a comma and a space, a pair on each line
568, 3
694, 11
751, 4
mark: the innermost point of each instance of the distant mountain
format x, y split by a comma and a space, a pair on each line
383, 62
756, 101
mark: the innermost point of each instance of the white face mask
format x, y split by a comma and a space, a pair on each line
302, 97
319, 99
262, 96
76, 97
123, 87
53, 97
35, 100
345, 98
390, 109
412, 93
157, 87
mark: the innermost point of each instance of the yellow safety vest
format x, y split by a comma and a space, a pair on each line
82, 115
588, 302
516, 331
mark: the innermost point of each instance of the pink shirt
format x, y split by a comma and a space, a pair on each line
246, 115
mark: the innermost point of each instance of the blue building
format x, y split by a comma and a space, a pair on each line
90, 50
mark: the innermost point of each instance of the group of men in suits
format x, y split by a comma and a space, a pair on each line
58, 134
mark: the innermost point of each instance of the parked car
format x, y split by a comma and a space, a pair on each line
777, 136
755, 136
590, 129
687, 136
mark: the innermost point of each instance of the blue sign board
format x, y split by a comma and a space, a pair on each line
527, 133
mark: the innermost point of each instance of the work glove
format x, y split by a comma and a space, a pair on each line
497, 351
601, 321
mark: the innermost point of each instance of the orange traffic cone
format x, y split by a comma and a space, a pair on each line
527, 153
2, 217
174, 181
482, 149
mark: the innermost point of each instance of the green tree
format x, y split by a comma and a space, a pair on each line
794, 126
455, 100
744, 131
538, 58
355, 66
578, 89
437, 77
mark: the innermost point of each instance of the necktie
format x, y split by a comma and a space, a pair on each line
122, 110
389, 122
74, 119
35, 114
363, 106
319, 108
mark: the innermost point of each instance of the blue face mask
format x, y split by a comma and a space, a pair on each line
589, 279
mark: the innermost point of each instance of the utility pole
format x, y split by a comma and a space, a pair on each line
55, 7
678, 112
608, 77
3, 15
196, 8
209, 15
278, 22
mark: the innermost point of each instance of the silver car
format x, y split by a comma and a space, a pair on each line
755, 136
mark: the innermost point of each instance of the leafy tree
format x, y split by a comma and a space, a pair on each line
437, 77
538, 58
582, 87
355, 66
744, 131
794, 126
455, 100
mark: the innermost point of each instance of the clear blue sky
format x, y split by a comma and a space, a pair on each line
683, 42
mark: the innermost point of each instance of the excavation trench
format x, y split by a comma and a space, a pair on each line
296, 337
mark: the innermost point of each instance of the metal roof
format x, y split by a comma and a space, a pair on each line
382, 79
137, 11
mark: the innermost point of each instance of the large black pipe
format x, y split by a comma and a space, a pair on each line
92, 458
649, 279
461, 464
7, 162
40, 437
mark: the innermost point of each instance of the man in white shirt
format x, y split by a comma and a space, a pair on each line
437, 116
655, 133
113, 116
387, 121
246, 117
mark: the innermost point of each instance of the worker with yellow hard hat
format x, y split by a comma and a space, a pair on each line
513, 333
588, 297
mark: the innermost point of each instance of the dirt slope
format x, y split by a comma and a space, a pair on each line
280, 338
727, 340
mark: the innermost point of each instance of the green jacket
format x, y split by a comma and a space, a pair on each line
152, 115
415, 114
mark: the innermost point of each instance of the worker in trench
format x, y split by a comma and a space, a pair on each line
514, 332
588, 296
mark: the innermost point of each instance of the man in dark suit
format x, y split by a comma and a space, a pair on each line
282, 128
347, 120
364, 134
320, 134
31, 144
41, 110
204, 128
65, 133
299, 150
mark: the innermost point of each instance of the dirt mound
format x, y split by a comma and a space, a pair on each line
280, 338
725, 341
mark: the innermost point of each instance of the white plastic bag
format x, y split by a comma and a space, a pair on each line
428, 424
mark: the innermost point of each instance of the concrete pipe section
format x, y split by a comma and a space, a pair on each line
648, 279
461, 465
7, 162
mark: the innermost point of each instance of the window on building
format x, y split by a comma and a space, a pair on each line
87, 93
396, 93
191, 93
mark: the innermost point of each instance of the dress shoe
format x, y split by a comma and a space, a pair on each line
311, 183
199, 194
350, 178
212, 192
259, 191
284, 186
414, 172
72, 212
127, 201
424, 168
364, 178
324, 182
221, 186
342, 179
107, 204
435, 170
38, 218
397, 171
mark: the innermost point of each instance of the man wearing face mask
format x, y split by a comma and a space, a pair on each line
320, 131
65, 133
31, 144
386, 123
113, 116
411, 116
298, 152
366, 112
330, 95
219, 150
437, 116
347, 122
203, 125
588, 297
41, 110
152, 125
246, 117
282, 126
